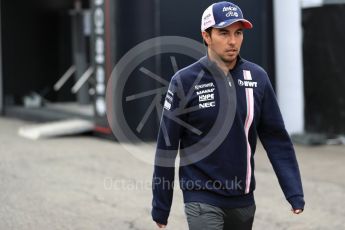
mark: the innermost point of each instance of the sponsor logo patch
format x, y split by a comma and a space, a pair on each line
168, 100
248, 84
207, 105
206, 97
167, 105
205, 92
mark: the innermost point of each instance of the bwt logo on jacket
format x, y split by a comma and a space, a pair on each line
249, 84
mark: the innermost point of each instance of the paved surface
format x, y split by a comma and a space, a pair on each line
89, 183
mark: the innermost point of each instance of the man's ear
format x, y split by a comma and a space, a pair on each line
206, 36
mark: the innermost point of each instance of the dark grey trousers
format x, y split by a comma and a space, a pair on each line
202, 216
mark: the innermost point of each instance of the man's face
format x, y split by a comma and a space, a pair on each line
226, 42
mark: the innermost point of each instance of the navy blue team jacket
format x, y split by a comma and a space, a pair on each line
193, 119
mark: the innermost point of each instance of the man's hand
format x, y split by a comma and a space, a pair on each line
297, 211
160, 225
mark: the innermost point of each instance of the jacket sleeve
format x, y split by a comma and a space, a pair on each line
167, 147
279, 148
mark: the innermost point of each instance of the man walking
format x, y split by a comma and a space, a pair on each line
218, 187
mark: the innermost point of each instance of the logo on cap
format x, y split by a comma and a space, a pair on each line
207, 17
232, 14
232, 11
227, 8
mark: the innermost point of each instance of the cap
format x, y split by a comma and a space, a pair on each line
223, 14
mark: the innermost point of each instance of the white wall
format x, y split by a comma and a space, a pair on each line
289, 66
1, 85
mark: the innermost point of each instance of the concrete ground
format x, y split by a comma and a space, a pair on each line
89, 183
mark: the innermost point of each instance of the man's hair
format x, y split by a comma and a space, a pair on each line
209, 31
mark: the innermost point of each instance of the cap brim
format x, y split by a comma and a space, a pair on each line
246, 24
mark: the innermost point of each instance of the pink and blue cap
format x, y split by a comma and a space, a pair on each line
223, 14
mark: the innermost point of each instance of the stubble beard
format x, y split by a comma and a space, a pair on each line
229, 60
